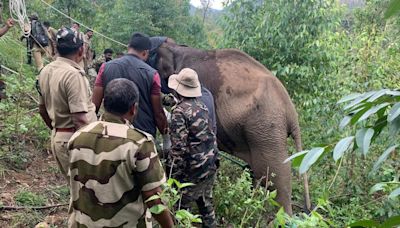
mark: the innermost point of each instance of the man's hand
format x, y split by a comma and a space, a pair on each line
164, 218
10, 22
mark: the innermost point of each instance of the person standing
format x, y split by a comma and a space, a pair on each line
111, 161
9, 23
52, 32
38, 41
132, 66
193, 153
87, 45
64, 95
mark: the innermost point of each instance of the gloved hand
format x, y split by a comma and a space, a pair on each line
166, 142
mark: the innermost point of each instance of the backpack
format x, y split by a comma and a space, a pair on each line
39, 34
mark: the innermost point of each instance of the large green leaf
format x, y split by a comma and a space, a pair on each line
357, 115
358, 100
395, 193
364, 223
394, 112
345, 121
341, 147
377, 95
299, 155
310, 158
363, 139
372, 111
391, 222
349, 97
394, 127
394, 8
377, 187
157, 209
383, 157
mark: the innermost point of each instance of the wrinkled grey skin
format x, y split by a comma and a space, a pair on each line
254, 111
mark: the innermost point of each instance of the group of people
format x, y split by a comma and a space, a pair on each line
111, 163
42, 43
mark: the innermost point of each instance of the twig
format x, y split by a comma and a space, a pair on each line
34, 99
9, 208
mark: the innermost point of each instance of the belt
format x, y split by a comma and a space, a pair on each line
72, 129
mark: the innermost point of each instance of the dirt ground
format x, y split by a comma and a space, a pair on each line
40, 184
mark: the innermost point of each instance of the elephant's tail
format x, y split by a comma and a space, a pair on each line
296, 135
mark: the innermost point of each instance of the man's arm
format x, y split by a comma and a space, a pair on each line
45, 116
9, 24
156, 103
97, 97
164, 218
98, 90
79, 119
161, 119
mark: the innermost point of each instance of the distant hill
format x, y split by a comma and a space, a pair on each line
211, 13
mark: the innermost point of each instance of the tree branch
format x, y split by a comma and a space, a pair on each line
10, 208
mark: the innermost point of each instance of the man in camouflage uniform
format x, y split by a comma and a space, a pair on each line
105, 57
114, 168
193, 153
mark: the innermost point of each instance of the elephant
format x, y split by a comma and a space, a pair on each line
255, 114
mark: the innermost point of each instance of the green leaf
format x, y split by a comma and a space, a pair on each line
394, 8
151, 198
184, 185
394, 194
341, 147
383, 157
345, 121
365, 223
349, 97
310, 158
157, 209
377, 95
363, 139
182, 214
394, 127
359, 100
357, 115
391, 222
298, 155
394, 112
373, 111
377, 187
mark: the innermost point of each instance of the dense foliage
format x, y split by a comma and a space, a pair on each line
321, 50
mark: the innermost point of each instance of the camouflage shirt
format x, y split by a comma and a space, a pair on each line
193, 152
96, 64
111, 163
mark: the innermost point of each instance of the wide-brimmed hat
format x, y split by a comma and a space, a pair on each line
186, 83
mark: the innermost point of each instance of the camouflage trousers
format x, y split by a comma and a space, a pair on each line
201, 193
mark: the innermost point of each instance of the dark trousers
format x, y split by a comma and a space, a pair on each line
201, 194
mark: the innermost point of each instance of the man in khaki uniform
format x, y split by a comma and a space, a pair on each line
65, 96
88, 52
52, 33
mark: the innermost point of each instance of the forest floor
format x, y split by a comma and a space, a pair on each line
40, 184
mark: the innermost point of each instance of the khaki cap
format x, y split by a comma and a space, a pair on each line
186, 83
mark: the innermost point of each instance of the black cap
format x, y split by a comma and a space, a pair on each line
68, 38
140, 42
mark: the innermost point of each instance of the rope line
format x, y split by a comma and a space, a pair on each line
72, 19
18, 14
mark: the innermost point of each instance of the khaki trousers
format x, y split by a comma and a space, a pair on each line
37, 53
59, 147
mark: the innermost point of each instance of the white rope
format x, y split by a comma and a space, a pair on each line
18, 14
72, 19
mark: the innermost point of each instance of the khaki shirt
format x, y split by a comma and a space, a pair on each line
64, 89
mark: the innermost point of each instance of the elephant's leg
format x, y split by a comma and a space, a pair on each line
268, 150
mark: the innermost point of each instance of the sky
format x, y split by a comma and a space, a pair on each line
217, 4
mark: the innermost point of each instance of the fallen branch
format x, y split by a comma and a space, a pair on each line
9, 208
